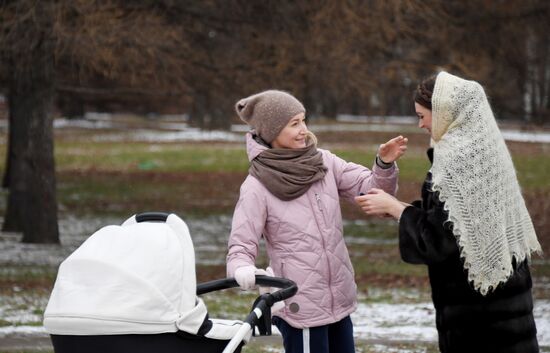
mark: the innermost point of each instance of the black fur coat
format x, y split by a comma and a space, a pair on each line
467, 322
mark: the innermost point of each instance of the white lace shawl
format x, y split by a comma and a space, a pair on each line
475, 177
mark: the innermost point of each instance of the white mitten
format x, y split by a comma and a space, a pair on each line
263, 290
246, 276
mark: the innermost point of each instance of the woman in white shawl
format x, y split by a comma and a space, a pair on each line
471, 227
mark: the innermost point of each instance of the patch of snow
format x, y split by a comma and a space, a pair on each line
98, 116
209, 238
242, 128
344, 128
363, 127
541, 311
170, 117
23, 330
416, 322
272, 349
82, 123
174, 126
389, 119
21, 310
190, 134
369, 241
523, 136
73, 232
402, 322
372, 321
182, 132
380, 348
407, 320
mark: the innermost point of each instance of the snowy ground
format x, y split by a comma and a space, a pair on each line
372, 322
186, 133
174, 128
406, 321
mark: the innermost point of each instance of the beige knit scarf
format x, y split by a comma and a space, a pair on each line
475, 176
288, 173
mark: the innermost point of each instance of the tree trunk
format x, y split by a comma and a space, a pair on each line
198, 111
70, 106
220, 114
206, 115
6, 177
13, 222
32, 203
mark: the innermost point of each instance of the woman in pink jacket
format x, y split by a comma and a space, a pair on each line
291, 197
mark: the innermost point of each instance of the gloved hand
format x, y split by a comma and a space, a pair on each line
263, 290
246, 276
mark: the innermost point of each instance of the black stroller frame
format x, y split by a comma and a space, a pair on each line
260, 315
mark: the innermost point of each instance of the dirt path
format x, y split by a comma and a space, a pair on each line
36, 343
18, 343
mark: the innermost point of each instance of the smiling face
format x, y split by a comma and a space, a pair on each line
293, 135
424, 117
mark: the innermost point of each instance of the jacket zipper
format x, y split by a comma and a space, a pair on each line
319, 203
285, 310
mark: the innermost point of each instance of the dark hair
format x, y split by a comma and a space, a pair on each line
424, 91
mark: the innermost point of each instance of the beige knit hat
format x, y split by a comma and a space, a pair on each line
268, 112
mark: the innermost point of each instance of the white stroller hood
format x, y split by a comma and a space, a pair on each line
138, 278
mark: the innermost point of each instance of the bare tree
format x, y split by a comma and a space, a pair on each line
337, 56
29, 46
505, 46
77, 41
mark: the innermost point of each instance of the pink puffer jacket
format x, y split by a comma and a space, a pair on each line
304, 237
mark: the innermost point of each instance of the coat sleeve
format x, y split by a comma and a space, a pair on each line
247, 227
425, 236
352, 178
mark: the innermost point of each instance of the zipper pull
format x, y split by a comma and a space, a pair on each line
318, 202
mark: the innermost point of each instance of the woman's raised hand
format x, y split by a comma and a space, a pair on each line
393, 149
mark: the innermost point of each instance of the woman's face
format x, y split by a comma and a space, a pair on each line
424, 117
293, 135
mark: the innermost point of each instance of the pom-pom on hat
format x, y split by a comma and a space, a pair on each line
268, 112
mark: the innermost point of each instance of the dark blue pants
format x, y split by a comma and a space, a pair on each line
331, 338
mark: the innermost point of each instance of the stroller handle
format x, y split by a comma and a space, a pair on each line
260, 316
152, 217
288, 287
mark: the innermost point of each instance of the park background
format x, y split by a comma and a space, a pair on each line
111, 108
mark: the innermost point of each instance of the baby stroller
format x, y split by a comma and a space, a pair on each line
132, 288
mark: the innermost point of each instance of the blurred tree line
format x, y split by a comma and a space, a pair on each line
200, 56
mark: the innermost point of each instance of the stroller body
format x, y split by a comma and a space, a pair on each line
132, 288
